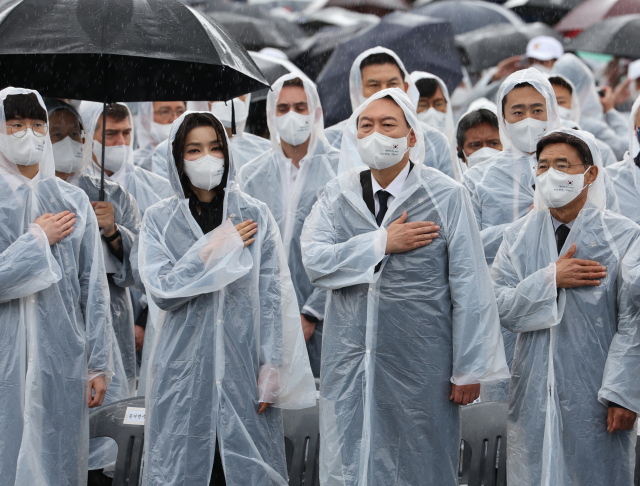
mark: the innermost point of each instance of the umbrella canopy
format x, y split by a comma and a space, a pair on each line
593, 11
254, 33
315, 51
336, 17
547, 11
486, 47
121, 50
423, 44
618, 36
375, 7
468, 15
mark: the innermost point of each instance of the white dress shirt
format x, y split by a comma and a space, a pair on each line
395, 188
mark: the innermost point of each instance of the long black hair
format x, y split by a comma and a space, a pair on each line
191, 121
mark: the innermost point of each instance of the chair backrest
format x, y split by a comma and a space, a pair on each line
108, 421
302, 443
484, 433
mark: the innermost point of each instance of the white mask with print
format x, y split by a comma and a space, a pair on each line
381, 152
294, 128
67, 155
557, 189
205, 172
485, 153
27, 150
526, 133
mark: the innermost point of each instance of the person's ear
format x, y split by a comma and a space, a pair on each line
412, 138
592, 175
461, 154
406, 87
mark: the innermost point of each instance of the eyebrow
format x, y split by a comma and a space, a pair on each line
389, 117
522, 105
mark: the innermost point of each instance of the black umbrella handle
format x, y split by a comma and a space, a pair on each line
233, 118
104, 130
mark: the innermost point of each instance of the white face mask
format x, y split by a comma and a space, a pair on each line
205, 172
160, 132
558, 189
526, 133
222, 111
294, 128
565, 113
381, 152
114, 157
485, 153
27, 150
67, 155
434, 118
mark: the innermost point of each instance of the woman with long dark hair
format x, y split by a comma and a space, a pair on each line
229, 350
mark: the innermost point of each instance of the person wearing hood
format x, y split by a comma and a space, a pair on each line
625, 175
230, 351
411, 325
502, 188
598, 115
119, 223
478, 138
145, 187
288, 178
245, 146
57, 357
380, 68
564, 278
152, 123
569, 110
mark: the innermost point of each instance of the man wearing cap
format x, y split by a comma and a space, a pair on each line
542, 52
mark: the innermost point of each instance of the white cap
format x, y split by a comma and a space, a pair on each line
544, 48
634, 70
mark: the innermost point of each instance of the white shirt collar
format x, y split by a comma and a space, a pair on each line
557, 223
395, 188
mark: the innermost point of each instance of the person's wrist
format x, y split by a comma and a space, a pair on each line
112, 236
310, 318
109, 230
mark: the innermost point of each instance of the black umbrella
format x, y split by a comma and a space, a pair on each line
468, 15
375, 7
618, 36
121, 50
486, 47
336, 17
547, 11
423, 44
315, 51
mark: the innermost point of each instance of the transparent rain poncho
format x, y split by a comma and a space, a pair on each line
577, 348
449, 127
625, 175
438, 151
502, 190
395, 340
608, 156
103, 451
57, 335
290, 194
228, 336
244, 146
609, 127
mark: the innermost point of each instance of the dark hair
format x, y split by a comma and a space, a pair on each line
559, 81
380, 58
293, 82
24, 106
519, 85
473, 119
387, 97
115, 111
561, 137
191, 121
427, 87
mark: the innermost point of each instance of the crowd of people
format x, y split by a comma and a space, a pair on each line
414, 258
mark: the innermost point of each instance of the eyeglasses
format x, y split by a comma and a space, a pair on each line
19, 130
439, 104
166, 115
559, 166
